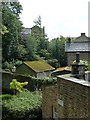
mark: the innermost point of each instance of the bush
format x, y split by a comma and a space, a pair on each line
7, 66
18, 63
6, 96
17, 86
23, 106
39, 82
54, 62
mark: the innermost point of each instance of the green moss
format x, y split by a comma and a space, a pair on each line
39, 66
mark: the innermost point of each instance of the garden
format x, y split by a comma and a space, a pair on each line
25, 105
22, 104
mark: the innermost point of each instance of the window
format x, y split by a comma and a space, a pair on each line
54, 113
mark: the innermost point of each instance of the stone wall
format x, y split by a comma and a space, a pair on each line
7, 78
49, 98
75, 94
70, 97
72, 56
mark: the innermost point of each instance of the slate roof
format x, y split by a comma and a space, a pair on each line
39, 66
80, 46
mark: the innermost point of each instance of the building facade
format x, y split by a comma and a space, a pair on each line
80, 44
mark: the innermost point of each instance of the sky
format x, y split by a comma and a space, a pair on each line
68, 18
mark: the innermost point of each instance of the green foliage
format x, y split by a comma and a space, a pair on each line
39, 82
23, 106
6, 96
53, 62
18, 63
86, 63
7, 66
31, 47
10, 19
35, 47
3, 30
38, 21
57, 50
15, 85
44, 53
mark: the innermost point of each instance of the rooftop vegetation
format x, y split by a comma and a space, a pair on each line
39, 66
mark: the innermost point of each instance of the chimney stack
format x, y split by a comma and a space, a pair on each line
78, 69
69, 39
82, 34
77, 57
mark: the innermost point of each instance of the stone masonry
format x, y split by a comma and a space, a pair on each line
75, 94
49, 99
70, 97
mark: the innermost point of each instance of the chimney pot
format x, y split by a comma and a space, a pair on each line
82, 34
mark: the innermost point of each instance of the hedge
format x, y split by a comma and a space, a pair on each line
23, 106
39, 82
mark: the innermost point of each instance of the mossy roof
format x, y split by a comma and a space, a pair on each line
63, 69
39, 66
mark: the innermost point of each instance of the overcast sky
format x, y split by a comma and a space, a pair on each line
60, 17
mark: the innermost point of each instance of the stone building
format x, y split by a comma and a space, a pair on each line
35, 31
35, 68
69, 98
80, 44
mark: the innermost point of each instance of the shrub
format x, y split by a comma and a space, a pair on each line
23, 106
7, 66
18, 63
15, 85
39, 82
6, 96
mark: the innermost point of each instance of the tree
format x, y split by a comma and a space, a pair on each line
38, 32
57, 50
31, 47
10, 40
38, 21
